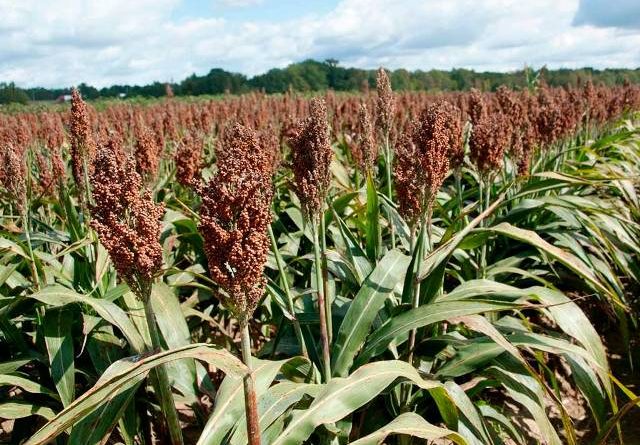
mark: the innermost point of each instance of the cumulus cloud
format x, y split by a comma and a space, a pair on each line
124, 41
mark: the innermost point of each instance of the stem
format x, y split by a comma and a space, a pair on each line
480, 255
429, 229
287, 291
250, 398
388, 166
458, 182
163, 386
485, 191
34, 269
325, 278
324, 337
87, 192
415, 302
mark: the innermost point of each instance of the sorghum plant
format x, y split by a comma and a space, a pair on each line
235, 215
311, 157
128, 224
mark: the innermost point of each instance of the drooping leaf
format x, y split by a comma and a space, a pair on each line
410, 424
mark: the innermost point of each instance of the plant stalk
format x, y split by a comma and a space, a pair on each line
164, 388
287, 291
485, 201
324, 336
325, 278
415, 301
250, 398
388, 167
27, 235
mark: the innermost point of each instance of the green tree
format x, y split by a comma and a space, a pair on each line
10, 93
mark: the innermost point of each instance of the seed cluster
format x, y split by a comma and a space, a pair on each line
235, 213
386, 107
83, 146
311, 158
188, 159
13, 173
126, 218
365, 150
146, 150
422, 160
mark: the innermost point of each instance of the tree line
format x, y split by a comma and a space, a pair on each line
312, 75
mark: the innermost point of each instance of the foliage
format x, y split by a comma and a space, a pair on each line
312, 75
467, 331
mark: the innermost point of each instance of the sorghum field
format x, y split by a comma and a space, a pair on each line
399, 268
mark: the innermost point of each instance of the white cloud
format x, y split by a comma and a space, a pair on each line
238, 3
123, 41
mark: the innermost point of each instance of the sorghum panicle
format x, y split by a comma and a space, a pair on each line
488, 141
311, 158
188, 159
366, 144
234, 216
13, 175
146, 150
83, 147
126, 218
386, 105
422, 161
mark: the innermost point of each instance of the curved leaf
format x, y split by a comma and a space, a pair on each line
61, 296
128, 373
411, 424
342, 396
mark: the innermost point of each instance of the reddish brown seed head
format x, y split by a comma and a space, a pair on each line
386, 105
454, 125
146, 150
235, 214
13, 175
126, 218
311, 158
422, 161
489, 139
188, 159
83, 147
477, 106
366, 146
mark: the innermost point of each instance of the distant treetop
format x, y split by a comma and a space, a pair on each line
312, 75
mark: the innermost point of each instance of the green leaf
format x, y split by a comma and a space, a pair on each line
358, 257
470, 420
439, 255
229, 403
410, 424
175, 332
19, 410
93, 429
399, 326
342, 396
273, 404
364, 308
568, 260
26, 385
61, 296
123, 375
526, 391
59, 341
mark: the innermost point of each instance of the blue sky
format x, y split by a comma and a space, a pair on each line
102, 42
248, 10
